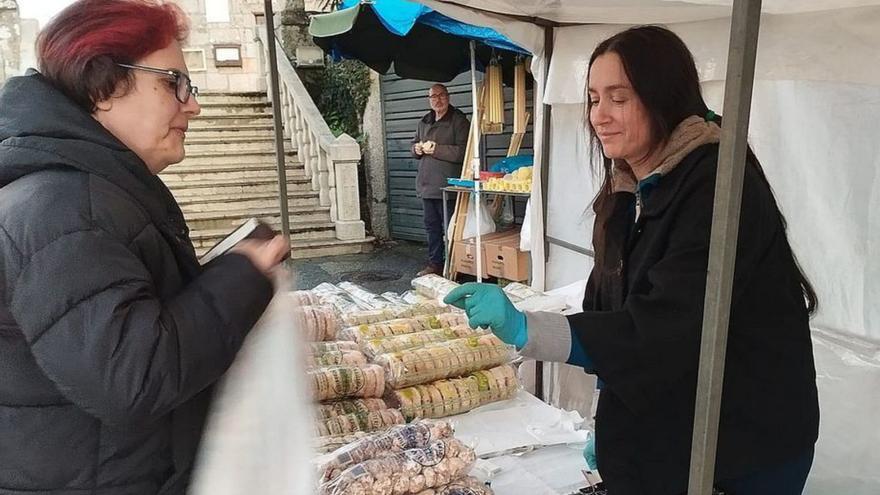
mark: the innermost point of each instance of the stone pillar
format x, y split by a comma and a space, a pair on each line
345, 155
375, 165
10, 39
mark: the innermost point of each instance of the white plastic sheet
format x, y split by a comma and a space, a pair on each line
847, 455
257, 439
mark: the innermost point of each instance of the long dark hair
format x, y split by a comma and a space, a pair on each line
662, 72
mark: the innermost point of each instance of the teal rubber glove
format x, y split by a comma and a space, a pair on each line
590, 453
487, 305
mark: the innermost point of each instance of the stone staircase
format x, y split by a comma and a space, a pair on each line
229, 175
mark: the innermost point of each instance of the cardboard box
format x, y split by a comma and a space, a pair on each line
506, 260
465, 251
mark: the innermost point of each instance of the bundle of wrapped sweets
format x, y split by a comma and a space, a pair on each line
408, 472
401, 326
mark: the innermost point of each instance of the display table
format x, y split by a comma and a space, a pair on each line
525, 446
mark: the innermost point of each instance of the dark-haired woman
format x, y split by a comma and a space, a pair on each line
110, 332
640, 328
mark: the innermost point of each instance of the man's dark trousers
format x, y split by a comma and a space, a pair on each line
434, 229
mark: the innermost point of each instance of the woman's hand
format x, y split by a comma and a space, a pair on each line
487, 305
419, 149
265, 255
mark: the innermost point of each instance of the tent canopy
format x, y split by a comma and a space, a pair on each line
813, 126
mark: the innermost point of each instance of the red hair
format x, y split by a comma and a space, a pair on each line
79, 49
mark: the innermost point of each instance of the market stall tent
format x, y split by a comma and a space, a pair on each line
816, 92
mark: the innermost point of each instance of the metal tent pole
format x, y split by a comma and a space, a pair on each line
545, 179
280, 159
475, 164
745, 23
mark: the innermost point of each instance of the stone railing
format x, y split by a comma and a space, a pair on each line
330, 162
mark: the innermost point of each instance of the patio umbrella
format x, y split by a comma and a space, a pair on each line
417, 41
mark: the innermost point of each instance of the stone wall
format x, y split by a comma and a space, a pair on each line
375, 165
241, 31
10, 39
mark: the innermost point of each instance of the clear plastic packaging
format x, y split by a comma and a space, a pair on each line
433, 286
457, 395
408, 472
323, 445
444, 360
363, 296
396, 343
398, 438
401, 326
366, 422
318, 322
464, 486
305, 298
520, 292
333, 358
318, 348
353, 406
366, 317
340, 382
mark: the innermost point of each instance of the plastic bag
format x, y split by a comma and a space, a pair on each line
257, 436
525, 232
457, 395
444, 360
407, 472
487, 224
398, 438
341, 382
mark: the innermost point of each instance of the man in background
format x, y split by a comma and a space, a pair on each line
439, 145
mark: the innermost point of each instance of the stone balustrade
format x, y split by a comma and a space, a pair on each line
330, 162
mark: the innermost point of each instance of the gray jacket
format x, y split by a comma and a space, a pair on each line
451, 135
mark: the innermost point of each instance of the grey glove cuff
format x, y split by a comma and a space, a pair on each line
549, 337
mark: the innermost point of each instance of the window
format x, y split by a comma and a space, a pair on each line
217, 10
195, 59
227, 55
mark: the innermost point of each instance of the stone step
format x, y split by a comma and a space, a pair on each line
233, 119
225, 145
253, 130
220, 97
242, 188
299, 231
228, 202
316, 218
293, 167
235, 108
195, 177
334, 247
316, 248
216, 158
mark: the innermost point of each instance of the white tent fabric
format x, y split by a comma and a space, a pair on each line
813, 126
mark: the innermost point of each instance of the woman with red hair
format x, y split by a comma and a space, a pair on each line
111, 334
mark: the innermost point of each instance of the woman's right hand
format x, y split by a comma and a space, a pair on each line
265, 255
418, 149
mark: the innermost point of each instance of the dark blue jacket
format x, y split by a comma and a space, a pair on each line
110, 332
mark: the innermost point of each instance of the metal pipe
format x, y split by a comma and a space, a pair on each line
475, 164
545, 179
745, 24
280, 158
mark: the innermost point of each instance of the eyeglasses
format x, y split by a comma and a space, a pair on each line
183, 87
438, 96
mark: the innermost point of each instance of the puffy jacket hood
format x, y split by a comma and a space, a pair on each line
42, 129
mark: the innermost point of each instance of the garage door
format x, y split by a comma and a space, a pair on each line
405, 102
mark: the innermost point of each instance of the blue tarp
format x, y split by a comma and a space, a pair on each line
399, 17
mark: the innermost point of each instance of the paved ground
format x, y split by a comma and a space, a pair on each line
390, 267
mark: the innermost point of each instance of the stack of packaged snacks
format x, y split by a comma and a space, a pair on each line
410, 471
394, 343
332, 358
433, 286
401, 326
319, 323
341, 382
354, 422
453, 396
444, 360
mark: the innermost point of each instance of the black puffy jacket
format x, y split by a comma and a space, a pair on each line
110, 333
